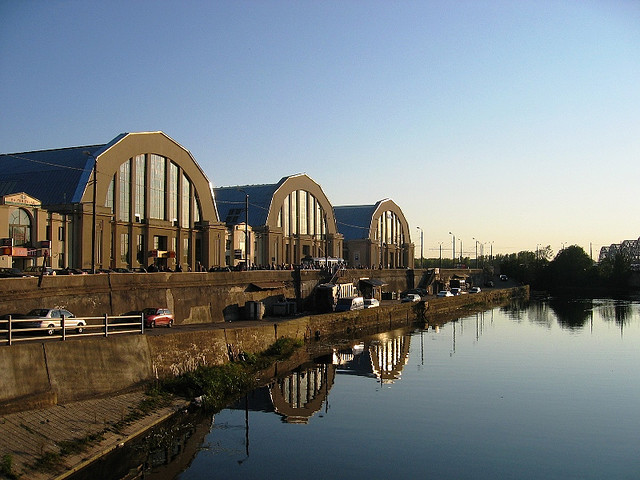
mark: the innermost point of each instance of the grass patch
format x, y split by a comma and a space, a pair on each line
218, 385
6, 468
50, 461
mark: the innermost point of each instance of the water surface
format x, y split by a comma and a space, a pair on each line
542, 390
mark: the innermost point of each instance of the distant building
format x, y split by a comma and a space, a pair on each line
289, 220
153, 204
375, 235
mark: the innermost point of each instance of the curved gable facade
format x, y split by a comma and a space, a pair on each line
155, 206
289, 220
376, 235
136, 201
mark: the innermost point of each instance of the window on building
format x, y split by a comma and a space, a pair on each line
303, 212
294, 213
124, 248
185, 214
173, 192
141, 250
160, 242
20, 227
285, 216
141, 176
125, 192
186, 251
110, 191
157, 187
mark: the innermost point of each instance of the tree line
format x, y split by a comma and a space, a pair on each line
570, 270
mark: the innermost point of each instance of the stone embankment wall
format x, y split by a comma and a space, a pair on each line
193, 297
47, 373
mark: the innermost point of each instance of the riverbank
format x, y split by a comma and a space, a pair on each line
77, 418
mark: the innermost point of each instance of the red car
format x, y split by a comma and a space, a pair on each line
157, 316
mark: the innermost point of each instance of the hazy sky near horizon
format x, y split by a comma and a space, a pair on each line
512, 122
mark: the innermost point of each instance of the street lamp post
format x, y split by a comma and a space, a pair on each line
453, 256
421, 248
476, 251
93, 213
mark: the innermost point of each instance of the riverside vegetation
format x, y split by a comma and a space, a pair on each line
215, 387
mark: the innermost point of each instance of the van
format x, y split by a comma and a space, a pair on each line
349, 303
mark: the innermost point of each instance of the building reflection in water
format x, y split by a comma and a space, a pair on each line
383, 357
296, 397
303, 392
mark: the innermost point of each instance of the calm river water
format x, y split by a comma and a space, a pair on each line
549, 389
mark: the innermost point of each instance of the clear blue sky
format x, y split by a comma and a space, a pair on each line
512, 122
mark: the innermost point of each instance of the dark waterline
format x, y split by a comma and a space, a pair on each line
541, 390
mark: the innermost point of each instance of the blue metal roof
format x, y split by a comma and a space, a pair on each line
354, 221
231, 203
52, 176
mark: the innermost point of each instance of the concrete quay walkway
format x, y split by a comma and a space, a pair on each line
30, 435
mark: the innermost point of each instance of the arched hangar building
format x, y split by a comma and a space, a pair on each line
287, 221
375, 235
143, 199
152, 204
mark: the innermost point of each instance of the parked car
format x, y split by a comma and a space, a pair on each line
503, 278
7, 272
51, 320
157, 316
71, 271
349, 303
474, 290
455, 291
419, 291
444, 293
371, 303
411, 297
35, 270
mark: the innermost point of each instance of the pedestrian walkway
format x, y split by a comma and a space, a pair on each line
29, 436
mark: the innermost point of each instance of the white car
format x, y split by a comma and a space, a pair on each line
371, 303
411, 297
474, 290
51, 320
444, 293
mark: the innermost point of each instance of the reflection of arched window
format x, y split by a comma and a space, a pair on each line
20, 227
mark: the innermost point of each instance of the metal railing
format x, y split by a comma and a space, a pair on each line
20, 329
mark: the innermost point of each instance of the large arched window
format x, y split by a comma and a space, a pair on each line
301, 213
390, 229
20, 227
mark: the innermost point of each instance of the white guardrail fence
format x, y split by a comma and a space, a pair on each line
21, 329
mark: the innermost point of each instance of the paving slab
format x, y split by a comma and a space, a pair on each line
28, 436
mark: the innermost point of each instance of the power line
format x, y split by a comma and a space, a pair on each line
42, 162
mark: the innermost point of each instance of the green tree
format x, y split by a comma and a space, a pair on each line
571, 268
